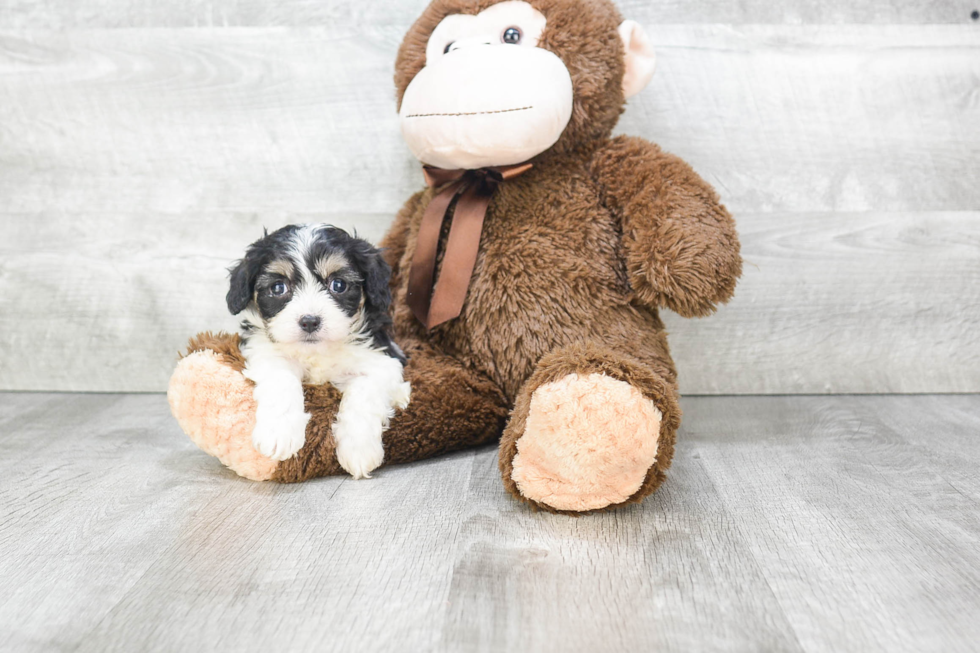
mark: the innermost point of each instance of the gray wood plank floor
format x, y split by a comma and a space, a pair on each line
788, 524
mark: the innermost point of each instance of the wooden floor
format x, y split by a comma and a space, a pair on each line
788, 523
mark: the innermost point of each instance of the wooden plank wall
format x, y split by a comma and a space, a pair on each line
143, 145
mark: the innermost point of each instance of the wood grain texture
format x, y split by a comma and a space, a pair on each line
828, 303
843, 303
107, 498
49, 14
136, 163
113, 297
672, 574
846, 485
182, 121
849, 118
787, 524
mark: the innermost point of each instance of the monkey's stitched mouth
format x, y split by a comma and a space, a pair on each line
471, 113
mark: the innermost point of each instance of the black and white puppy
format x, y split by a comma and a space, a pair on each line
315, 304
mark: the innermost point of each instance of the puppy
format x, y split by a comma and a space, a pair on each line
315, 308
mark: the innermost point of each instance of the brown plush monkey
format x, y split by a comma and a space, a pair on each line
540, 330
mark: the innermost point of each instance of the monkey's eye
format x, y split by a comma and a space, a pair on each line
445, 50
338, 286
278, 289
511, 35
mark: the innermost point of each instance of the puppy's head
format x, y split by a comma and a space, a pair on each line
311, 284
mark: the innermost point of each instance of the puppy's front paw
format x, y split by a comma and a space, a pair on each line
360, 458
359, 448
280, 437
403, 395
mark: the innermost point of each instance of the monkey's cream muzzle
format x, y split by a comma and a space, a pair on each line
486, 105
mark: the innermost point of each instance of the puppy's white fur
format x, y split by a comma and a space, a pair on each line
280, 357
370, 380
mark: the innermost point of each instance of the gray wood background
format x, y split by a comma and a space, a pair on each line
788, 524
143, 145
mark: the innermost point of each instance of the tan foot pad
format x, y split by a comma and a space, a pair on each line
588, 443
213, 405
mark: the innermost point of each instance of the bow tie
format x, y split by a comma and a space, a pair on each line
438, 302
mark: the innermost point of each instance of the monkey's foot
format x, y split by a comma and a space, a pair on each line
214, 406
588, 443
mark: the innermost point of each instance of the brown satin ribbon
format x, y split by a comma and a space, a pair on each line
474, 188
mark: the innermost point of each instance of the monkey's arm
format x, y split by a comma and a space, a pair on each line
680, 244
396, 239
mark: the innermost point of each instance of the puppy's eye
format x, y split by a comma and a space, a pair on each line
445, 50
338, 286
511, 35
278, 289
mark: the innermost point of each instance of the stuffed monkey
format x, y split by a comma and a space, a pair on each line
528, 275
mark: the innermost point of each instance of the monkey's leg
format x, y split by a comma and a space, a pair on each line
591, 429
451, 408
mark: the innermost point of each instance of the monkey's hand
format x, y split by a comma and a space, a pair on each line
680, 244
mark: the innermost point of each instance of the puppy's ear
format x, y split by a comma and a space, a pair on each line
371, 264
243, 276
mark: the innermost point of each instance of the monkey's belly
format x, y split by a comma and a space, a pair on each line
522, 320
550, 273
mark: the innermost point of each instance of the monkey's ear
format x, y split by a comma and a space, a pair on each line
641, 60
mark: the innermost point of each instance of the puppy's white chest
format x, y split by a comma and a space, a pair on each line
319, 373
321, 367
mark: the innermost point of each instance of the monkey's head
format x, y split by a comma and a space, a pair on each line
491, 83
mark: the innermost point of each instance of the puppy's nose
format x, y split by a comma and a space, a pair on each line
309, 323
